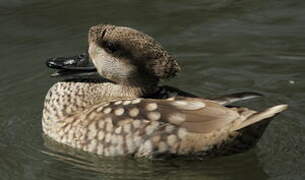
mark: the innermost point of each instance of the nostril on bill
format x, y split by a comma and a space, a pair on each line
69, 62
51, 63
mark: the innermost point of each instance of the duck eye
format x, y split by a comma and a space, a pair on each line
110, 47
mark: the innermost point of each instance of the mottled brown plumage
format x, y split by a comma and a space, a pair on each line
131, 115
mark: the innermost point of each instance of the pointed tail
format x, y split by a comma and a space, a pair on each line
256, 117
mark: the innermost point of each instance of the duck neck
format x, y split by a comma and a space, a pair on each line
139, 89
120, 91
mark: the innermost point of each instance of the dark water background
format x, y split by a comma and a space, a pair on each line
223, 46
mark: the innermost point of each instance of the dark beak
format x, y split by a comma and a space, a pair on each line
74, 66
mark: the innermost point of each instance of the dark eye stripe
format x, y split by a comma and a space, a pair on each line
111, 47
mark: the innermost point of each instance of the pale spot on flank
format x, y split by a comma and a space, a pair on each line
92, 132
134, 112
176, 118
155, 124
92, 115
156, 139
107, 137
92, 126
154, 116
106, 104
118, 130
107, 110
162, 146
149, 129
136, 123
182, 132
171, 140
92, 146
100, 135
169, 128
151, 106
69, 110
119, 111
99, 109
171, 99
85, 148
147, 148
61, 133
189, 105
179, 103
118, 102
126, 102
136, 101
100, 149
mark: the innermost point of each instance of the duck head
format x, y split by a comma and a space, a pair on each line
130, 57
120, 55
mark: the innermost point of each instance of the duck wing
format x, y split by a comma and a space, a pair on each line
194, 114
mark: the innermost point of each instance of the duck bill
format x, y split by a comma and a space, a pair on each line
72, 66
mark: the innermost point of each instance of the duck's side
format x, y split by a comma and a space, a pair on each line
79, 115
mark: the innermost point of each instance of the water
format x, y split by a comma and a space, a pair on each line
223, 46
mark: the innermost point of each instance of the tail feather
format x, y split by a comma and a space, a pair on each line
231, 98
270, 112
